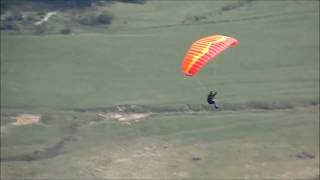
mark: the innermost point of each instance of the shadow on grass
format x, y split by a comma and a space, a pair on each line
49, 152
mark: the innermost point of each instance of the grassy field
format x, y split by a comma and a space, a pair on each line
248, 144
137, 61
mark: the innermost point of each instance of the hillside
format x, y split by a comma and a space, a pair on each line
41, 17
110, 101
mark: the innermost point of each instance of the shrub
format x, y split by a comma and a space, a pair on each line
9, 25
105, 17
92, 19
134, 1
32, 18
41, 13
101, 3
66, 30
41, 29
89, 19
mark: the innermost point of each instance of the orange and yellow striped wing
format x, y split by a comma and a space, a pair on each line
204, 50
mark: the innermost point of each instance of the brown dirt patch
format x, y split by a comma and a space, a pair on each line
25, 119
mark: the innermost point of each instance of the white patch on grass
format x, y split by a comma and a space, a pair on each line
125, 117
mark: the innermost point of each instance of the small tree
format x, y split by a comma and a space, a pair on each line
66, 30
105, 17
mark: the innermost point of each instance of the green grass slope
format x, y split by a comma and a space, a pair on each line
137, 61
283, 144
277, 58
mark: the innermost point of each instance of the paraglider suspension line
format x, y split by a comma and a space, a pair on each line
201, 84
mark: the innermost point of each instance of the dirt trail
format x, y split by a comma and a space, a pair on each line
45, 18
126, 109
133, 113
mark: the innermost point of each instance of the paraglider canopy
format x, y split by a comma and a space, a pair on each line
204, 50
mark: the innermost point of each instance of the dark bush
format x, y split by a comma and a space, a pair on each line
41, 13
105, 17
89, 20
193, 19
66, 30
134, 1
5, 4
41, 29
101, 3
14, 18
10, 25
92, 19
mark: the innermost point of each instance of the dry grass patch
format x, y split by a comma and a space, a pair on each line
126, 117
25, 119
